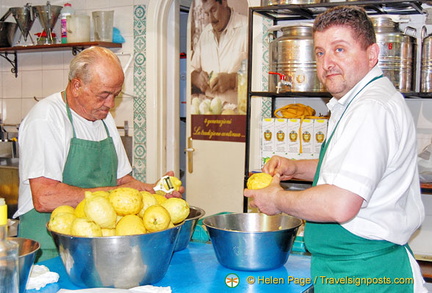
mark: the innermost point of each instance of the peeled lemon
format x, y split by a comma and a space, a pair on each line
61, 222
178, 209
167, 184
126, 201
85, 228
62, 209
259, 180
160, 199
100, 210
156, 218
148, 200
130, 225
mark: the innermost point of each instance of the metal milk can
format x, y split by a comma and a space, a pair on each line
397, 51
292, 58
426, 65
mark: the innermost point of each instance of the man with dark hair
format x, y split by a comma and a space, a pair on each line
365, 202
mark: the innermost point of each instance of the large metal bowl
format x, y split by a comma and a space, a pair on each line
188, 227
7, 33
117, 261
27, 249
252, 241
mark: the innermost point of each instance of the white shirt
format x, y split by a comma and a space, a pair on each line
373, 154
224, 56
44, 139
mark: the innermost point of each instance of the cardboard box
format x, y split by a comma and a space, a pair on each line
307, 141
281, 135
320, 134
267, 135
293, 136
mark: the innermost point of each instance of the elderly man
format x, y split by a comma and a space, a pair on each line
69, 144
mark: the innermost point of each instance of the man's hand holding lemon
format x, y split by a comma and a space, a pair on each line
263, 191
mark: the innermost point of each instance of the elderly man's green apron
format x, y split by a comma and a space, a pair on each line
344, 262
89, 164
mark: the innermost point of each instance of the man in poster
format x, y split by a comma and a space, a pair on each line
218, 54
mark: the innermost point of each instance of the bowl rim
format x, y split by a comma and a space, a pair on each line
23, 238
205, 222
201, 213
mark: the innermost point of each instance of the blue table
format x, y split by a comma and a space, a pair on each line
196, 269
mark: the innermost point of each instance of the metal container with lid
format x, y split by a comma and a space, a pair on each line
396, 58
292, 55
426, 65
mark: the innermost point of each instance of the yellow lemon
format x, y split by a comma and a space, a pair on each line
79, 210
62, 209
96, 193
130, 225
160, 199
156, 218
178, 209
148, 200
126, 201
259, 180
100, 210
62, 222
83, 227
108, 232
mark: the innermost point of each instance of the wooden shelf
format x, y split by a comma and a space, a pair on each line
10, 53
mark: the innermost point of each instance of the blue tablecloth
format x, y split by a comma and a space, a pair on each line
196, 269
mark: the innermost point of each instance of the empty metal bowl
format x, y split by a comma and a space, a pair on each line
7, 33
252, 241
117, 261
188, 227
27, 249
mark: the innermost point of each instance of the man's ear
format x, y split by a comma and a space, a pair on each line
373, 54
75, 86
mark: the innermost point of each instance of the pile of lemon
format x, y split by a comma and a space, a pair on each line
119, 212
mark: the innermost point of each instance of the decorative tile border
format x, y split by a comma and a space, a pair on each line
266, 103
139, 104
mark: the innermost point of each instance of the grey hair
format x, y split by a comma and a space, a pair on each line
81, 64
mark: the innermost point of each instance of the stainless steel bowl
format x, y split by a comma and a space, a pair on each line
252, 241
188, 227
27, 249
117, 261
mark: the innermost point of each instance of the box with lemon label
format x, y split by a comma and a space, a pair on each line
320, 134
307, 129
293, 140
281, 137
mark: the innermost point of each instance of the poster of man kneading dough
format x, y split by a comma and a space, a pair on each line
218, 51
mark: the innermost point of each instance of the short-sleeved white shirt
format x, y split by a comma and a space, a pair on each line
44, 139
373, 154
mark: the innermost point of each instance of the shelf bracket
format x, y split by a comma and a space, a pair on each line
77, 50
13, 62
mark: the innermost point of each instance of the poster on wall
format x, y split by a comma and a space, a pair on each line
219, 36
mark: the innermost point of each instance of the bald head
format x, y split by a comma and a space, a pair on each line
82, 66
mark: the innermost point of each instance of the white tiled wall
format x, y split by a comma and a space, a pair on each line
43, 73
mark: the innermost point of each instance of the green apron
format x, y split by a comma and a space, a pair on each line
344, 262
89, 164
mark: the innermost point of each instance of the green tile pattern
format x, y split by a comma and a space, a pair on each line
266, 104
139, 104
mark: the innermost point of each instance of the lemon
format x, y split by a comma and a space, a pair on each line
83, 227
79, 210
148, 200
108, 232
130, 225
156, 218
259, 180
100, 210
96, 193
178, 209
160, 199
62, 222
62, 209
126, 201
